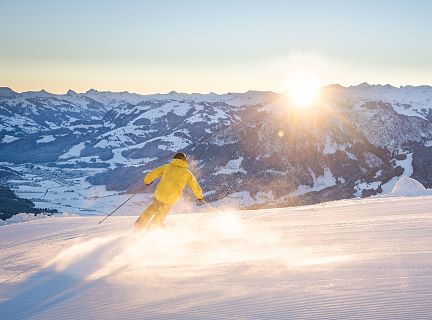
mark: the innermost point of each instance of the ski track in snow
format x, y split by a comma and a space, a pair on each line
350, 259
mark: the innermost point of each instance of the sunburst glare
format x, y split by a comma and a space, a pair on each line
304, 88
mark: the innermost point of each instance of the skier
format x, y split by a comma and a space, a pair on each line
174, 175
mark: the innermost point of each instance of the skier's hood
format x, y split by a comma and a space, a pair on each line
180, 163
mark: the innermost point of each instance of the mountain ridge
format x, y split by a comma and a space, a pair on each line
173, 92
251, 149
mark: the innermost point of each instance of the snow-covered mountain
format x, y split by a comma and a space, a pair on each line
248, 149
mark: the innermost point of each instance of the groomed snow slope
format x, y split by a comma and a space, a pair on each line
353, 259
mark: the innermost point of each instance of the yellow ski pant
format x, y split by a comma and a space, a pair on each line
156, 210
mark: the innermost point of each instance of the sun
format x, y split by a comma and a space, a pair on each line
303, 88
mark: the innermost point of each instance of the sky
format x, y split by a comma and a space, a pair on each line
211, 46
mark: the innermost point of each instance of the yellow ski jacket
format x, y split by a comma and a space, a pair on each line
175, 175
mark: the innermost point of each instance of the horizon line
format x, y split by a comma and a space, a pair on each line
208, 93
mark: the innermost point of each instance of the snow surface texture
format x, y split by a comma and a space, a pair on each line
409, 187
24, 217
351, 259
233, 166
9, 139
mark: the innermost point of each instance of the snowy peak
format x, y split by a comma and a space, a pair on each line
71, 93
363, 85
115, 98
37, 94
414, 101
6, 92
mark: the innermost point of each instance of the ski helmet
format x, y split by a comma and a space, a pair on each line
180, 155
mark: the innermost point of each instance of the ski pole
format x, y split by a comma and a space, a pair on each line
116, 209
